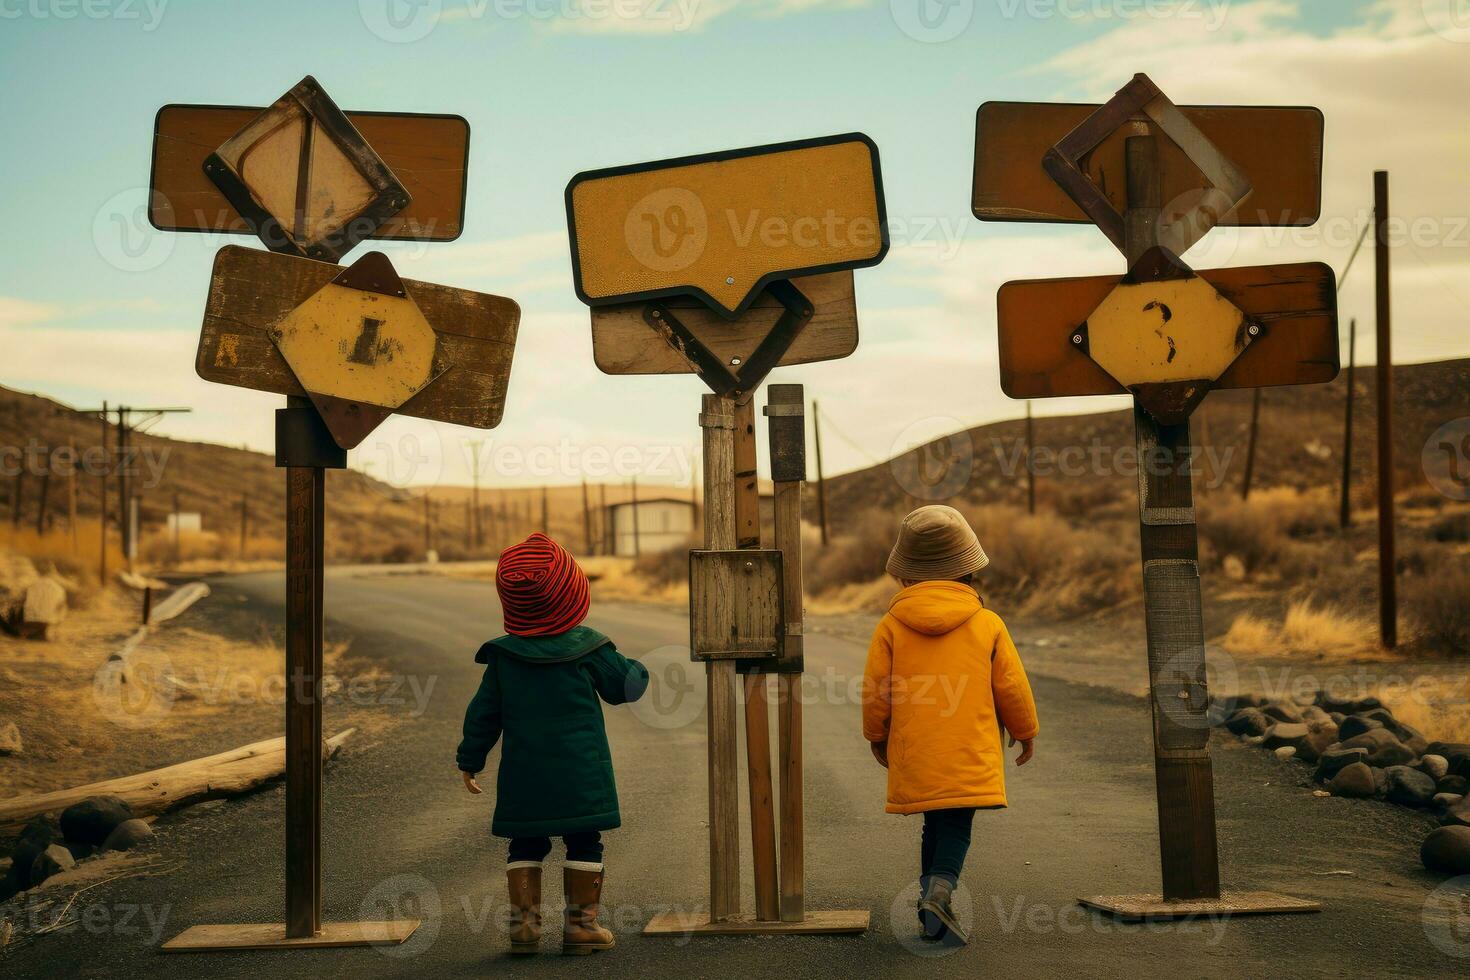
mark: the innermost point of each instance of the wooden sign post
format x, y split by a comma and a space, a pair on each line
1168, 336
727, 266
347, 346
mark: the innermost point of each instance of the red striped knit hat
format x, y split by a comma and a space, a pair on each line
542, 590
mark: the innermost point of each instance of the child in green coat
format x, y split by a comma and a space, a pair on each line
540, 692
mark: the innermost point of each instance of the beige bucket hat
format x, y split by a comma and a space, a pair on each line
935, 542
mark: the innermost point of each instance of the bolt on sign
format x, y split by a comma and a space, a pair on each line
727, 264
306, 177
1155, 178
348, 346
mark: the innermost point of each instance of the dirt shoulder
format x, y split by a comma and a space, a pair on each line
208, 681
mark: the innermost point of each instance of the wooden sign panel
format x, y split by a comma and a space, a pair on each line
1278, 148
251, 293
1294, 304
429, 154
624, 343
721, 227
735, 604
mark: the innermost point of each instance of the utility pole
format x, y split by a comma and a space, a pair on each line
1030, 468
20, 486
821, 480
71, 494
476, 532
586, 518
102, 505
244, 522
1387, 578
545, 515
1345, 517
1250, 446
125, 427
41, 503
602, 520
637, 536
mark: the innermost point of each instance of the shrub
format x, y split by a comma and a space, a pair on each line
857, 555
663, 568
1453, 527
1440, 606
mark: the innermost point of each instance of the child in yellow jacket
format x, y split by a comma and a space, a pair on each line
942, 679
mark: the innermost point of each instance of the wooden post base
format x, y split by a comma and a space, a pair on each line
272, 935
1149, 908
820, 923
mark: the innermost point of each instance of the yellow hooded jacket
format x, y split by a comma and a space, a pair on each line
942, 679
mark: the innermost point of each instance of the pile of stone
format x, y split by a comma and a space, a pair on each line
47, 847
1361, 751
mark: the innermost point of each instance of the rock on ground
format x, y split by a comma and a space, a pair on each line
53, 860
127, 835
1384, 747
1408, 787
1285, 752
90, 821
10, 741
1458, 785
1458, 814
1248, 720
1285, 733
1447, 850
1334, 761
1436, 767
1354, 725
1354, 781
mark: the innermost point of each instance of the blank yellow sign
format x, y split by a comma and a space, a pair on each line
1168, 331
721, 226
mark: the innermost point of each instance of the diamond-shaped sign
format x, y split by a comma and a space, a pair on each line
1188, 221
360, 347
304, 179
1166, 338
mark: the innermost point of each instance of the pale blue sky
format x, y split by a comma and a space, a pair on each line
94, 304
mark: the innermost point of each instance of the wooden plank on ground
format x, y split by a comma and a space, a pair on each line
816, 923
272, 935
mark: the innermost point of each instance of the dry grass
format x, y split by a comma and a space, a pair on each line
1439, 603
1322, 632
200, 548
1262, 532
76, 559
1440, 708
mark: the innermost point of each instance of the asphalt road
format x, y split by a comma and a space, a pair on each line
403, 837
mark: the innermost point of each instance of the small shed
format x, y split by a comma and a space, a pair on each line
656, 524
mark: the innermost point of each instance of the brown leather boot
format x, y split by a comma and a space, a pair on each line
583, 887
524, 879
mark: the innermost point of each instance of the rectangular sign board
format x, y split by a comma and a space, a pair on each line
623, 343
720, 227
1278, 148
1295, 305
252, 291
428, 153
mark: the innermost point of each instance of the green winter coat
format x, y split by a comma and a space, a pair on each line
541, 693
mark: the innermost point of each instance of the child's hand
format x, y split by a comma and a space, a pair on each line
469, 782
880, 752
1026, 750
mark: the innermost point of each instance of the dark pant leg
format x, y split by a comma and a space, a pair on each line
926, 846
951, 837
529, 848
584, 847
